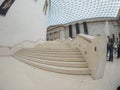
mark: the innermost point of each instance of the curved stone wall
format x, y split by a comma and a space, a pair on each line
25, 20
103, 26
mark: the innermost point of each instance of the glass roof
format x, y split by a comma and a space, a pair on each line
64, 11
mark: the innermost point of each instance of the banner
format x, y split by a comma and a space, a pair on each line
4, 6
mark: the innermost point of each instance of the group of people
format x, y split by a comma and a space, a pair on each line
113, 46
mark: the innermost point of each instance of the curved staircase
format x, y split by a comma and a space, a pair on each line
55, 56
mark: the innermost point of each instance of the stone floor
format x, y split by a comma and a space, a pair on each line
16, 75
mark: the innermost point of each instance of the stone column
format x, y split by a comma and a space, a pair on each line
107, 29
62, 36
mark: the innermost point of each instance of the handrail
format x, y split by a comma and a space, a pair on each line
83, 36
94, 54
4, 46
10, 47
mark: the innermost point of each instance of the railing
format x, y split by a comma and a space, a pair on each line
5, 46
86, 37
94, 52
10, 47
9, 50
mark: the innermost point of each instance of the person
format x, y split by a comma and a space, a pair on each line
115, 47
111, 42
108, 49
118, 51
108, 46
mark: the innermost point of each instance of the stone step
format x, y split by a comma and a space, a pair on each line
53, 44
56, 63
52, 47
67, 59
64, 70
55, 52
53, 55
51, 50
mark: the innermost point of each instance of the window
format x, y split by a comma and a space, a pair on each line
5, 5
77, 28
70, 31
85, 27
45, 7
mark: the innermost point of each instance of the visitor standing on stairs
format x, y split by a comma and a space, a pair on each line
108, 46
118, 51
110, 43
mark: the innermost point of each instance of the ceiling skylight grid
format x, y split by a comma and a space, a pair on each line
64, 11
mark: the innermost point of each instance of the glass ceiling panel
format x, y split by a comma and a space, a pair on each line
64, 11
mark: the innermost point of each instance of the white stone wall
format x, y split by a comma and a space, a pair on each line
54, 33
114, 28
81, 28
73, 31
98, 27
66, 32
25, 20
94, 28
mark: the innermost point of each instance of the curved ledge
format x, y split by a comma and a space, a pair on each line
86, 37
9, 50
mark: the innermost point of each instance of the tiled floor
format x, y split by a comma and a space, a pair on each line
15, 75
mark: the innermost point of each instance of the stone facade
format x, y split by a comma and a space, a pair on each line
94, 27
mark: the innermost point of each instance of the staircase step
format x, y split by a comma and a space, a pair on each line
53, 45
55, 52
54, 58
64, 70
53, 55
56, 63
52, 50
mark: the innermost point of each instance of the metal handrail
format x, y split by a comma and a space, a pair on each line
10, 47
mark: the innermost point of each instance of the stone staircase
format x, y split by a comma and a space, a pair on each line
55, 56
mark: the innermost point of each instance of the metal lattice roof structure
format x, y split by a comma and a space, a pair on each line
64, 11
